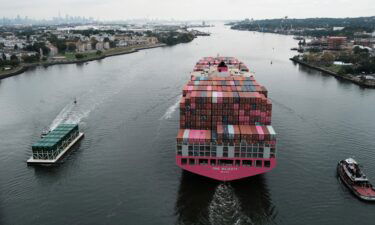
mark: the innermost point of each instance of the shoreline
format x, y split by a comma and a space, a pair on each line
24, 67
347, 77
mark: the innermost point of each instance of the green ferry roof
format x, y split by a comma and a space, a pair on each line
53, 137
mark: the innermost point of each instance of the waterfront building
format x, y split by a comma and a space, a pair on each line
99, 46
336, 43
106, 45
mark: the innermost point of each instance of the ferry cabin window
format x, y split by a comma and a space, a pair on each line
183, 161
213, 162
258, 163
191, 161
267, 163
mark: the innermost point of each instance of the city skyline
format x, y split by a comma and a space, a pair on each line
182, 10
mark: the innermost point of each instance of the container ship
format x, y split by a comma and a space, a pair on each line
54, 144
225, 130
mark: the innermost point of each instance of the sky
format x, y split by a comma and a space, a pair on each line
187, 9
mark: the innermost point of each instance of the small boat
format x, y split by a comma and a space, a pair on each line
44, 133
353, 177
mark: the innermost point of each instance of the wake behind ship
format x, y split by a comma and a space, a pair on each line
225, 122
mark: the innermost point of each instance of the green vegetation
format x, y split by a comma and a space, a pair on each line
173, 38
60, 44
316, 27
31, 58
361, 60
80, 56
12, 62
37, 46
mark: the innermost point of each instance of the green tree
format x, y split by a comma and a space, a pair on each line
344, 70
4, 56
93, 43
312, 58
80, 56
112, 44
327, 58
99, 52
37, 46
358, 50
14, 61
60, 44
31, 58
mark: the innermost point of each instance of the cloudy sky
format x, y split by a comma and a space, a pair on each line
187, 9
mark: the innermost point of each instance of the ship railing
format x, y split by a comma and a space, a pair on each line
226, 150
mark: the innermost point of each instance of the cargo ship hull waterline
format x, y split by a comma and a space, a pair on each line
225, 122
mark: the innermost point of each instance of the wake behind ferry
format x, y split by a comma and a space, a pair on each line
225, 122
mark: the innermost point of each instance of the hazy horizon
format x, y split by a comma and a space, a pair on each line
186, 10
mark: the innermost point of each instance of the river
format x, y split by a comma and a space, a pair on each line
124, 172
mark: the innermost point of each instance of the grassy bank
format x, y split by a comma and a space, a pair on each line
333, 70
71, 58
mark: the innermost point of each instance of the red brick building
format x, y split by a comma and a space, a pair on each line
336, 43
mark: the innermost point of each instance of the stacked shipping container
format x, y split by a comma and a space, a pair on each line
225, 115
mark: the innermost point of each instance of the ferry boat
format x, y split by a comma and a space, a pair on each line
354, 178
225, 122
54, 144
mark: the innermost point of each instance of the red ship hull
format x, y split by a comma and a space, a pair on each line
226, 172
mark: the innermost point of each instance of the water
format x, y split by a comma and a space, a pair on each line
123, 171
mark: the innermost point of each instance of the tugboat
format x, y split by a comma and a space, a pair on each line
352, 176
